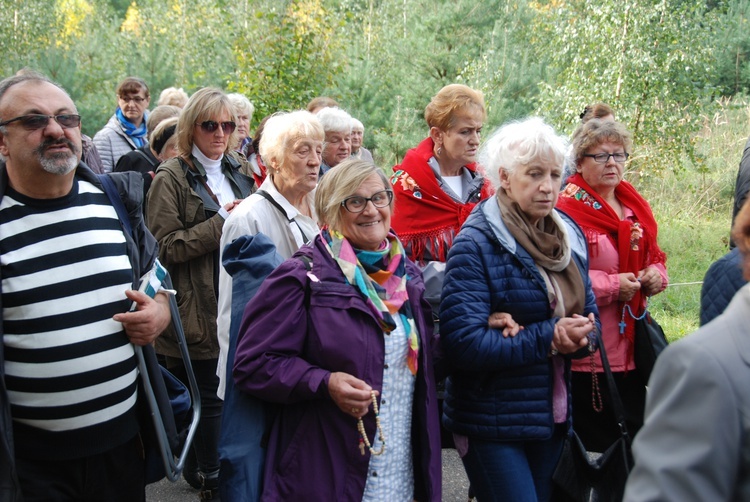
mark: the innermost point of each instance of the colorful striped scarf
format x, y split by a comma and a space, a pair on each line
380, 276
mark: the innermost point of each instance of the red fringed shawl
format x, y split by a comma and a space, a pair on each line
425, 217
636, 242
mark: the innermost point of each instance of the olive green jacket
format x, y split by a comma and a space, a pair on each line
183, 215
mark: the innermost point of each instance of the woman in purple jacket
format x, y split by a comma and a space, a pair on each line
341, 336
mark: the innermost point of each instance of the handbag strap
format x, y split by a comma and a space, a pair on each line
114, 198
275, 204
617, 405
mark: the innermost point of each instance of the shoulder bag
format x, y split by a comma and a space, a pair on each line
578, 476
649, 342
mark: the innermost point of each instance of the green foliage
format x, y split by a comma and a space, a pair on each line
25, 29
403, 51
651, 60
733, 48
694, 214
287, 56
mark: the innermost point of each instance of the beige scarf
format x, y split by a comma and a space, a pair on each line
548, 245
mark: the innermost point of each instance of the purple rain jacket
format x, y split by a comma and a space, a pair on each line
286, 354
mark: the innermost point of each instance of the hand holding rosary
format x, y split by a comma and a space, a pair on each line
364, 442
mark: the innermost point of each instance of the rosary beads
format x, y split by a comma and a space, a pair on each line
363, 441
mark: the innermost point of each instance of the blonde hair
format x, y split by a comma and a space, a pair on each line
201, 106
338, 184
162, 134
452, 101
173, 96
159, 114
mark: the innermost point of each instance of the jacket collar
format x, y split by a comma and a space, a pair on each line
489, 210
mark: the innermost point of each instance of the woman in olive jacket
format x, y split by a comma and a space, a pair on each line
189, 199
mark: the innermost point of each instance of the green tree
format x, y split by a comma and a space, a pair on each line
650, 59
26, 27
733, 49
288, 54
401, 52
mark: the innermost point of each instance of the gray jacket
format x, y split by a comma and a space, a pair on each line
695, 444
112, 143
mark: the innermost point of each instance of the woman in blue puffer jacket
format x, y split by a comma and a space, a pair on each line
508, 397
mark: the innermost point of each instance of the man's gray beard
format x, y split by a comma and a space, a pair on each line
60, 163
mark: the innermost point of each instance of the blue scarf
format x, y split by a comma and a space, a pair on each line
137, 134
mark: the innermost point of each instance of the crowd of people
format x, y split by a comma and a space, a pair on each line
465, 295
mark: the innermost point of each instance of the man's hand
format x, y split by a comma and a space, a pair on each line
151, 317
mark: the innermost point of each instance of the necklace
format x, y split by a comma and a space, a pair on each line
364, 442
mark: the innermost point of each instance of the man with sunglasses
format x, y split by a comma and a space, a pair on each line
126, 130
68, 378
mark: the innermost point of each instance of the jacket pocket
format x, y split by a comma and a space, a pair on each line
189, 317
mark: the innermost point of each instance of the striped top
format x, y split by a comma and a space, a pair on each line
70, 371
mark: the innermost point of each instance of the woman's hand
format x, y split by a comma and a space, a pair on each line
504, 321
352, 395
229, 206
570, 333
629, 284
651, 280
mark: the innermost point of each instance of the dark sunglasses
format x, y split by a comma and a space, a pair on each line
211, 126
38, 121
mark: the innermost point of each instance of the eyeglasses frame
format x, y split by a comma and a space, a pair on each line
388, 191
594, 155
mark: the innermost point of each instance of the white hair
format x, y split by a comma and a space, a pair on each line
241, 104
335, 120
518, 144
282, 129
357, 125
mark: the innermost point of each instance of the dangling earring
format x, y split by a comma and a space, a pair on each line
440, 150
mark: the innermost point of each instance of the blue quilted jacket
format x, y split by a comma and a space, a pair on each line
723, 279
501, 388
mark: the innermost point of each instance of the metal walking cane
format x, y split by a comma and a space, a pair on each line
173, 462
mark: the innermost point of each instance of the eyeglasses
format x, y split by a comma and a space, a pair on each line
135, 99
357, 204
603, 158
211, 125
37, 121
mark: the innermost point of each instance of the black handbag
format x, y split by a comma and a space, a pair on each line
649, 341
579, 477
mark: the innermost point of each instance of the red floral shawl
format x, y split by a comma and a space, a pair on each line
425, 217
636, 242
